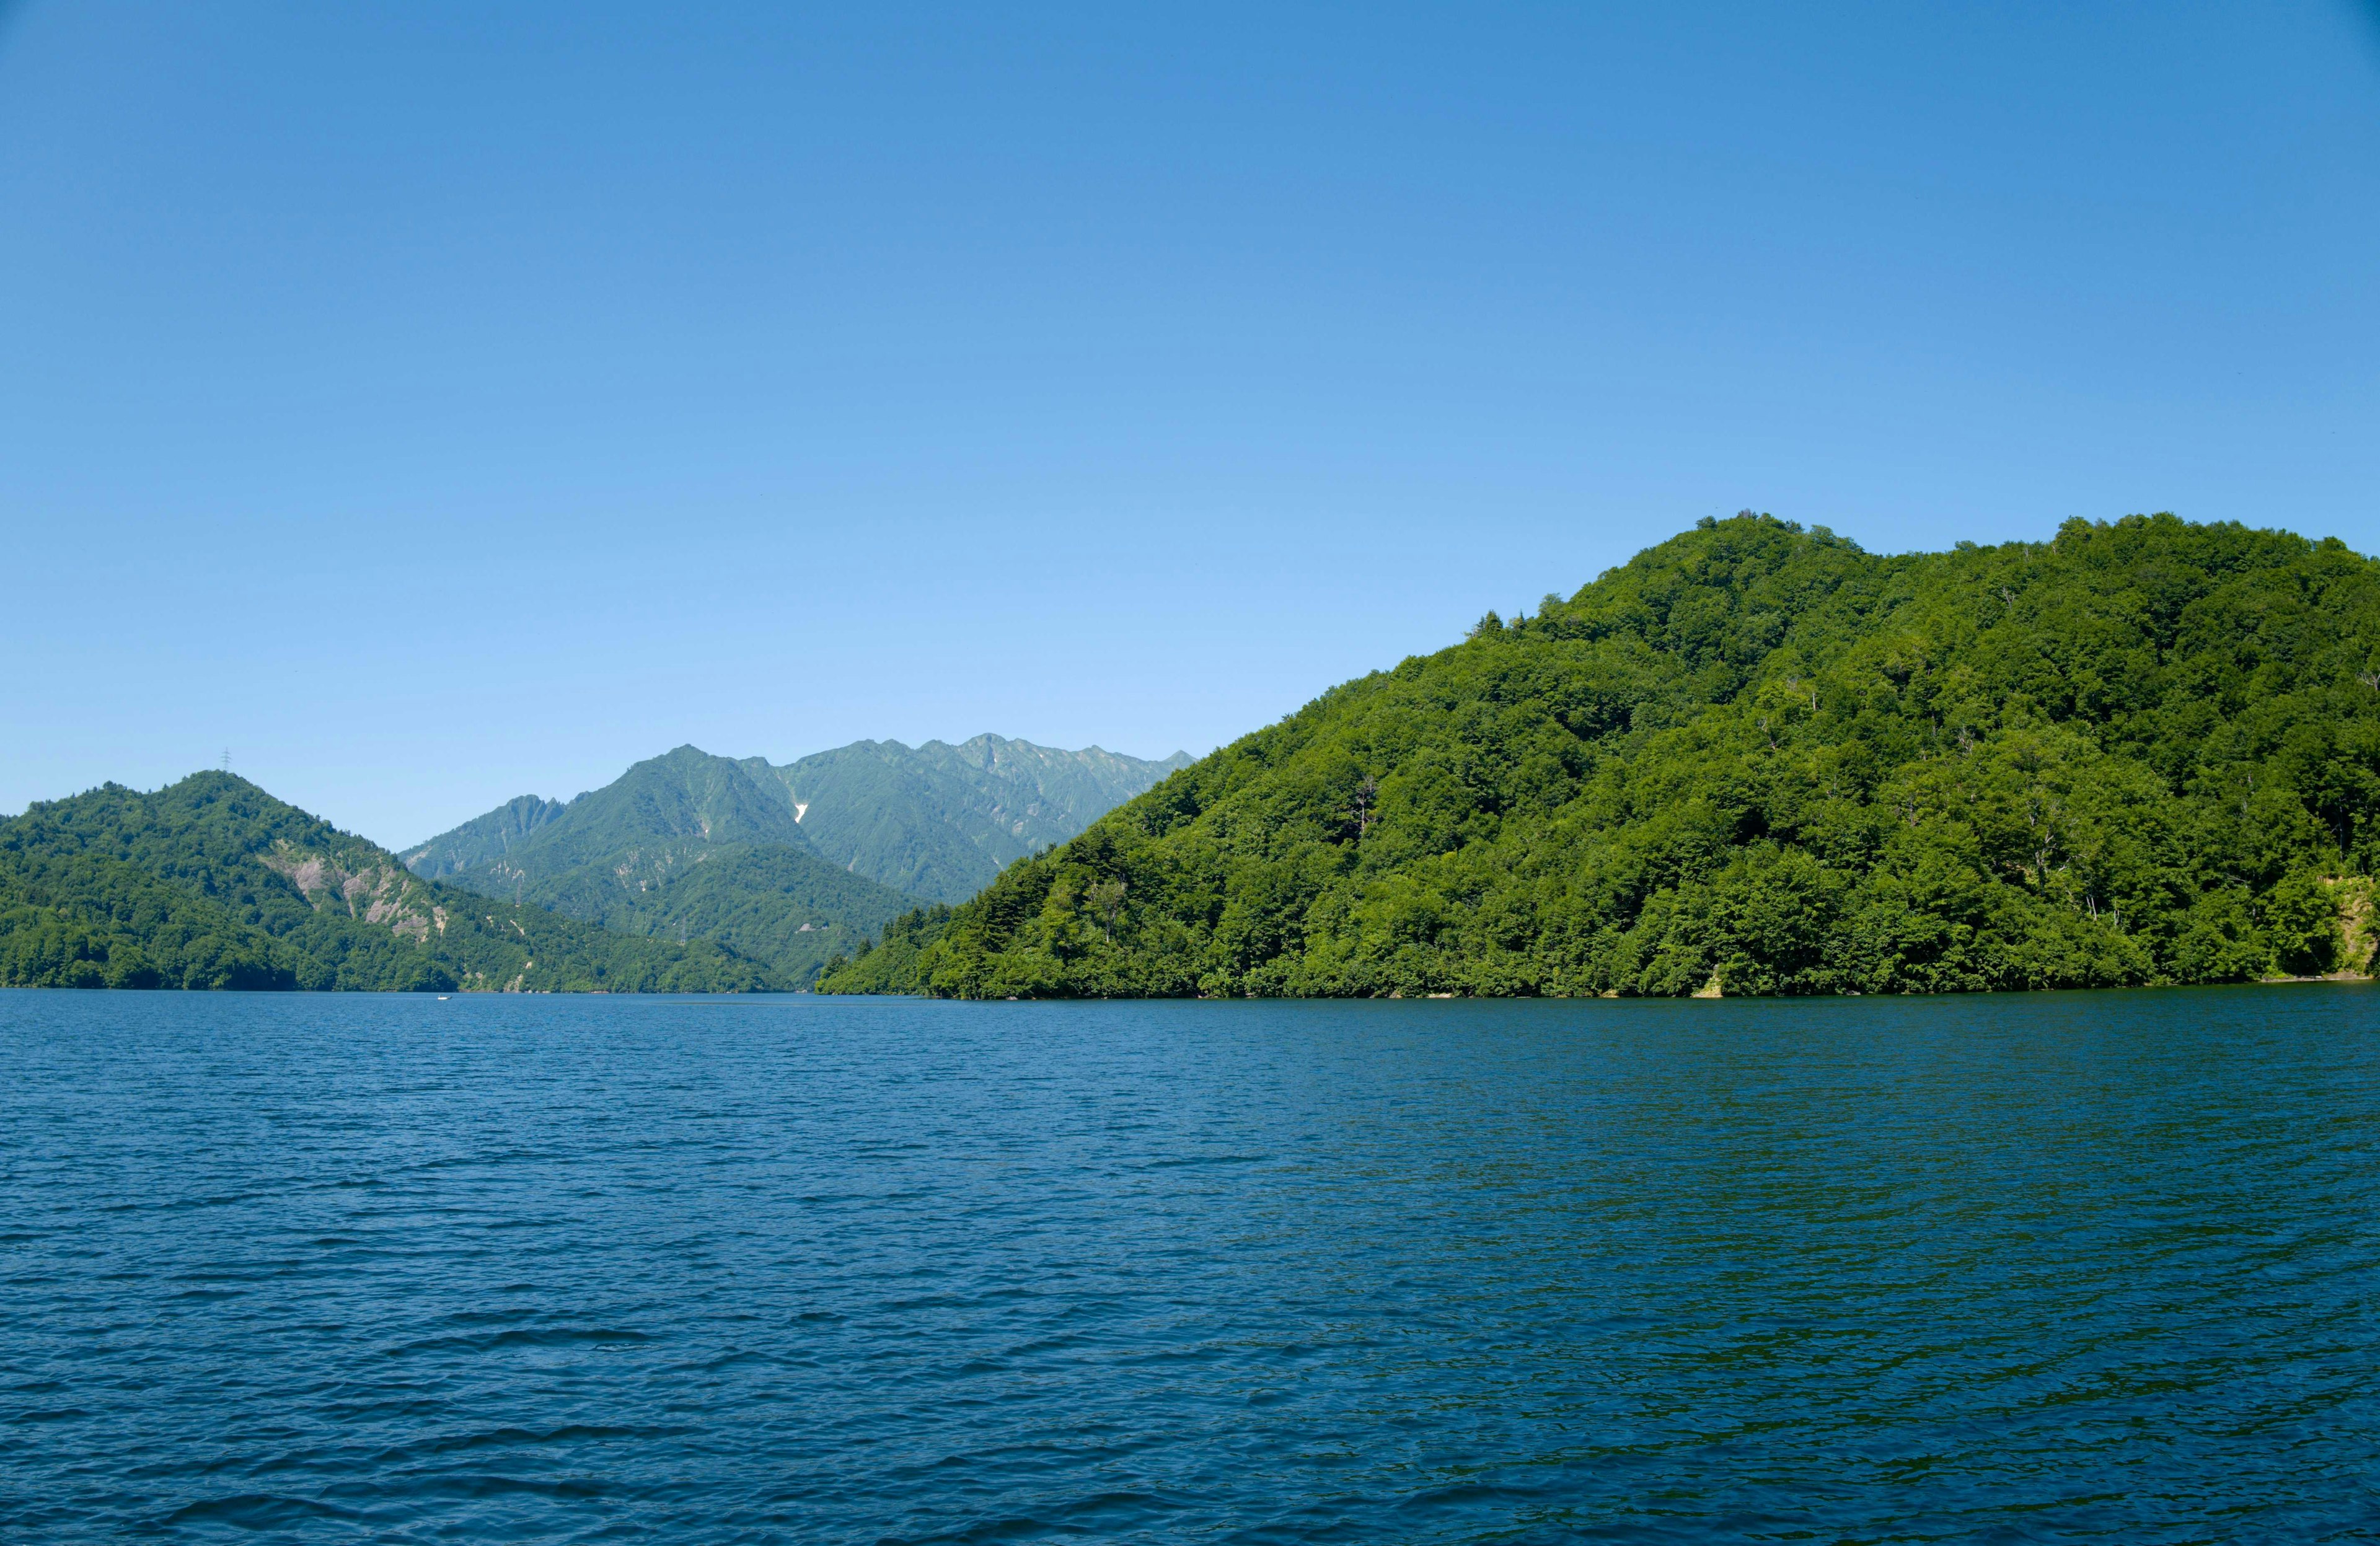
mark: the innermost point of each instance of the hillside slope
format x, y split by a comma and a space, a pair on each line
939, 821
643, 828
212, 883
684, 846
792, 864
485, 839
1760, 759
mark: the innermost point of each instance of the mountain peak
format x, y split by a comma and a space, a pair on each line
787, 865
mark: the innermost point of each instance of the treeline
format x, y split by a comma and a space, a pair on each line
211, 883
890, 963
1758, 757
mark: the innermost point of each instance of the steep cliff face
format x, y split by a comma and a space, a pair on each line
380, 893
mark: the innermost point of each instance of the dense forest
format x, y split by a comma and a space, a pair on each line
1757, 759
211, 883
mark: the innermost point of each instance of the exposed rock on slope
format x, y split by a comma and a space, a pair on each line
212, 883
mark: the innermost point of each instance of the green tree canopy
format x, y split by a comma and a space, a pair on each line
2145, 752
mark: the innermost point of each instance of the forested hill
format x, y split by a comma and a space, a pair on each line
683, 846
211, 883
1757, 758
939, 820
787, 865
484, 839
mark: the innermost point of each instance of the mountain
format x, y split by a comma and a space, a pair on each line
1758, 760
791, 864
211, 883
483, 840
682, 846
643, 828
939, 821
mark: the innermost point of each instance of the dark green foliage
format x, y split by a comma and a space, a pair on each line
778, 906
889, 965
212, 883
2146, 752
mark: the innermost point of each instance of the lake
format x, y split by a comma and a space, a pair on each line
2060, 1267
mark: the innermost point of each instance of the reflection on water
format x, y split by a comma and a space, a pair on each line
2086, 1266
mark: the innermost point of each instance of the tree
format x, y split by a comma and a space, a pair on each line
1106, 900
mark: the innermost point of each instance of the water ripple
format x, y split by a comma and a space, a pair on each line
2061, 1268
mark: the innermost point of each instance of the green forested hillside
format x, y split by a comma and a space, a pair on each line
212, 883
774, 905
485, 839
939, 821
935, 821
1758, 760
641, 830
892, 961
784, 864
687, 846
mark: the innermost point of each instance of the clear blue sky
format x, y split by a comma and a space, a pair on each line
432, 403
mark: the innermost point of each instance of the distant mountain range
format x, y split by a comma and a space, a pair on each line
787, 865
211, 883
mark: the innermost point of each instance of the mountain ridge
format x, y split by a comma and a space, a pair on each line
482, 838
940, 819
871, 807
776, 862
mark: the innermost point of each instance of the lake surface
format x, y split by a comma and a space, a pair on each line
339, 1268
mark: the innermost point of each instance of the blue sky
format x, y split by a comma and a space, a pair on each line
432, 403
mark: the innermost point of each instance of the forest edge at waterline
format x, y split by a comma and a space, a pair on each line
1754, 760
1759, 760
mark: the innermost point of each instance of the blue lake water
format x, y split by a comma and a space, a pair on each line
341, 1268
